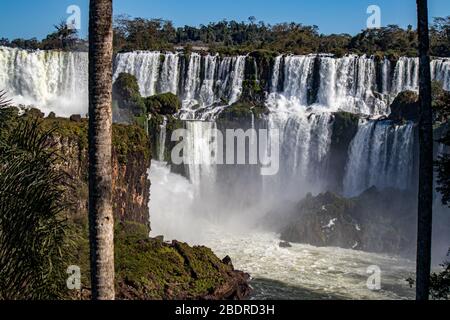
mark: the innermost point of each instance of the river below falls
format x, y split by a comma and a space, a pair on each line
301, 272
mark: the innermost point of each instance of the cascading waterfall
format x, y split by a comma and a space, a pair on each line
386, 76
193, 79
52, 80
47, 78
170, 73
303, 91
304, 154
440, 70
205, 81
162, 140
406, 75
143, 65
381, 155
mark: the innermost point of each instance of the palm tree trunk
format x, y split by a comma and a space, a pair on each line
101, 221
425, 210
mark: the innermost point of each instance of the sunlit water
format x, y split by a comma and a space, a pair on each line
299, 272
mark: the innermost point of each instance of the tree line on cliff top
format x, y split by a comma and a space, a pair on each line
232, 37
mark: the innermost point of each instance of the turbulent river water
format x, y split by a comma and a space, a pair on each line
300, 272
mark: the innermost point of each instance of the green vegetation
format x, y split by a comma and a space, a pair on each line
242, 111
63, 38
150, 269
126, 93
163, 104
441, 107
232, 37
405, 107
440, 282
33, 229
130, 139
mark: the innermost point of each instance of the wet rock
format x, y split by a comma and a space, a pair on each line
227, 261
75, 118
285, 244
372, 222
405, 107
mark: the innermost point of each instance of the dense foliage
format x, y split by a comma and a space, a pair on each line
63, 38
440, 282
32, 226
441, 107
233, 36
243, 37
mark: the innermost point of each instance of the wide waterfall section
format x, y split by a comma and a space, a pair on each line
225, 206
51, 80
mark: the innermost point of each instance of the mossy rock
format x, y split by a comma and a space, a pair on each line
149, 269
126, 138
163, 104
252, 92
345, 126
242, 111
405, 107
154, 129
127, 95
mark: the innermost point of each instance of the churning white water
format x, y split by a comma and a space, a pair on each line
300, 272
51, 80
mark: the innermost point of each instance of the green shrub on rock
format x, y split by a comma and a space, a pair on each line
127, 95
242, 111
163, 104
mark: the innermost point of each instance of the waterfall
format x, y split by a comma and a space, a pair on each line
406, 74
143, 65
237, 78
381, 155
305, 141
346, 83
304, 91
440, 71
276, 74
385, 76
193, 79
200, 150
52, 80
57, 81
207, 94
170, 73
162, 140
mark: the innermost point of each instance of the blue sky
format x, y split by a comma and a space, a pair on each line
28, 18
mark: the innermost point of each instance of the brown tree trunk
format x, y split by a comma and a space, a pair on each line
425, 211
101, 221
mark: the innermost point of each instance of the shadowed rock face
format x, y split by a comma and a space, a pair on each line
373, 222
405, 107
131, 160
146, 269
325, 220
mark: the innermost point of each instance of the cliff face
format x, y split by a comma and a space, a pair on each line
131, 160
146, 269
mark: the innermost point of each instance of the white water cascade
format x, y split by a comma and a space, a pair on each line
203, 82
381, 155
51, 80
303, 92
